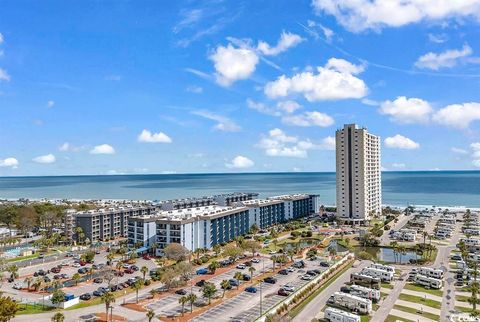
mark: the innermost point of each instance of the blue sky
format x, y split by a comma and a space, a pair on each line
99, 87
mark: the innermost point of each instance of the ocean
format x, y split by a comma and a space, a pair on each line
441, 188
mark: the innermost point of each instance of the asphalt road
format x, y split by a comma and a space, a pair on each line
312, 309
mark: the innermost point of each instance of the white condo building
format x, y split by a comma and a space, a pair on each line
359, 191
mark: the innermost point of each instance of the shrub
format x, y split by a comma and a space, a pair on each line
364, 255
147, 282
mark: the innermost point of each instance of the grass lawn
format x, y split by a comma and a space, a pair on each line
417, 288
32, 309
393, 318
461, 298
294, 312
463, 309
418, 299
428, 315
365, 318
386, 285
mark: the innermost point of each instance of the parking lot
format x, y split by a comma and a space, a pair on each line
69, 286
246, 306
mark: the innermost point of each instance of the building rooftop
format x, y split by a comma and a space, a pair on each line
194, 213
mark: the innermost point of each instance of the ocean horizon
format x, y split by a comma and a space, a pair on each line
400, 188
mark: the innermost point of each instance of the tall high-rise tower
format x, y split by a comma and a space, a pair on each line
359, 190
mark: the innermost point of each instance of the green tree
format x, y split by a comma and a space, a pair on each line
254, 229
8, 308
108, 298
76, 278
238, 276
183, 300
191, 299
176, 252
13, 270
225, 284
58, 317
217, 249
28, 281
212, 267
252, 246
150, 315
208, 291
144, 271
58, 297
136, 286
232, 252
251, 269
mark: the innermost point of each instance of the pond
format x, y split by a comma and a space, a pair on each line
387, 255
301, 244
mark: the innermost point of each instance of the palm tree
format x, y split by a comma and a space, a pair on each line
274, 260
225, 284
183, 300
37, 284
29, 281
191, 299
394, 246
144, 271
290, 254
251, 269
13, 270
137, 286
58, 317
90, 272
110, 258
76, 278
153, 292
238, 276
108, 298
212, 267
150, 315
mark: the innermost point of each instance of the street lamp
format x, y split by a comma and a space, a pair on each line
111, 313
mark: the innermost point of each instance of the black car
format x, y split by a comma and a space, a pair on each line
97, 293
98, 280
246, 277
324, 264
270, 280
120, 287
181, 292
134, 267
345, 289
317, 271
283, 272
200, 283
82, 270
46, 279
311, 273
85, 297
113, 288
234, 282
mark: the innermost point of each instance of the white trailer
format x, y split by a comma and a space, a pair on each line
383, 267
350, 302
430, 272
429, 282
365, 292
378, 273
335, 315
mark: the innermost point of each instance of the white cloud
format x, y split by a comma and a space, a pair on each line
288, 106
359, 15
401, 142
232, 64
475, 154
278, 144
327, 32
46, 159
4, 75
148, 137
334, 81
282, 108
309, 119
447, 59
240, 162
9, 162
1, 38
223, 123
458, 150
407, 110
68, 147
195, 89
103, 149
64, 147
286, 41
50, 104
398, 165
438, 39
458, 115
370, 102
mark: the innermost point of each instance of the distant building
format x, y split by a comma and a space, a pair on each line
358, 172
225, 199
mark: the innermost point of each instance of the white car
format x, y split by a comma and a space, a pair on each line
306, 277
76, 265
255, 260
241, 266
288, 288
18, 285
290, 269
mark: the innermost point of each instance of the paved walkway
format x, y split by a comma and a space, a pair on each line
410, 316
463, 304
387, 305
418, 306
423, 294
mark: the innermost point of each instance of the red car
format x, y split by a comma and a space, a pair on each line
83, 263
55, 270
146, 257
129, 271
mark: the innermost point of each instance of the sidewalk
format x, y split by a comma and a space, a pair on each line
409, 316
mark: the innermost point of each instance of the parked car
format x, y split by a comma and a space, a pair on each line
246, 277
288, 288
119, 273
113, 288
181, 292
97, 293
85, 297
311, 273
234, 282
255, 260
283, 272
46, 279
202, 271
18, 285
98, 280
251, 289
283, 292
270, 280
306, 277
129, 271
324, 264
82, 270
241, 266
57, 277
290, 269
134, 267
200, 283
146, 257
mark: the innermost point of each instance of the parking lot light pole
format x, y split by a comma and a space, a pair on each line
263, 270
